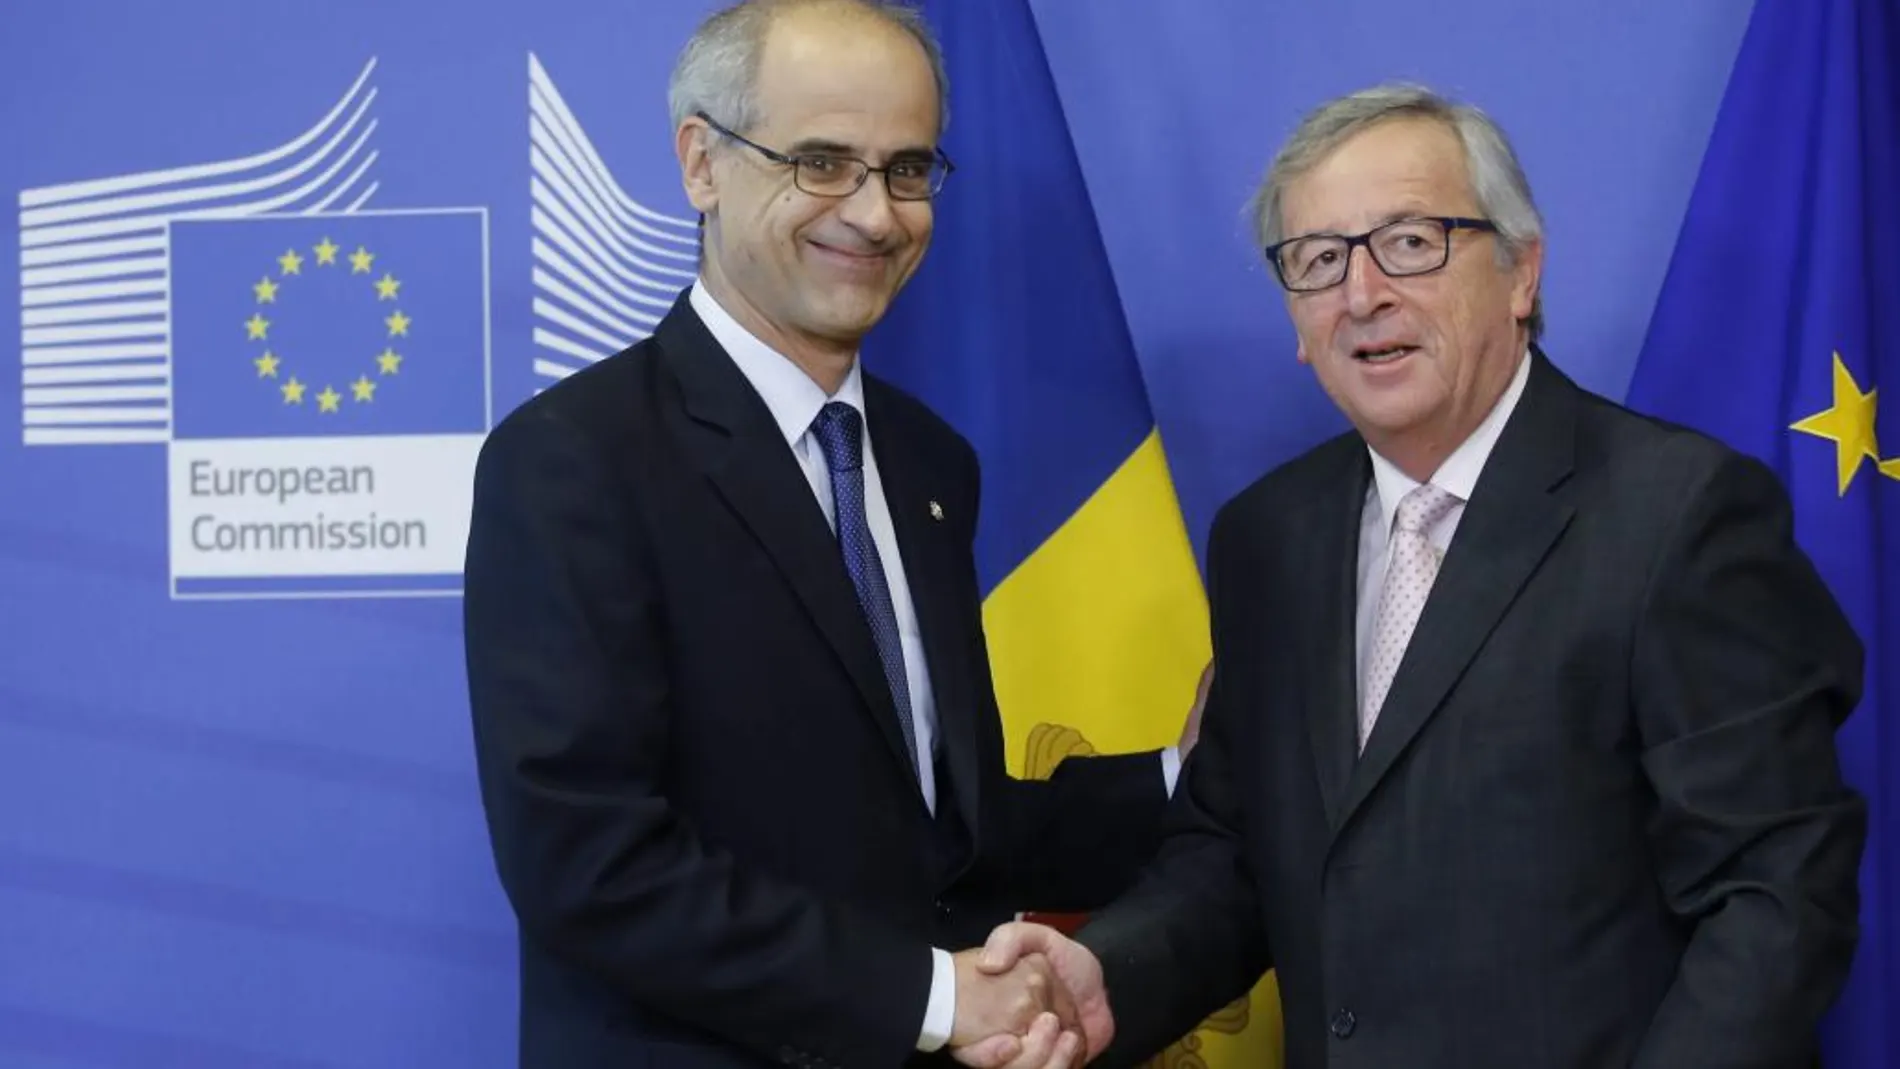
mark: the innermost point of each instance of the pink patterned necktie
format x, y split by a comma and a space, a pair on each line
1408, 582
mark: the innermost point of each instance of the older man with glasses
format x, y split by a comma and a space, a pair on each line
1520, 750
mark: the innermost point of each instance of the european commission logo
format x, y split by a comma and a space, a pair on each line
329, 396
319, 370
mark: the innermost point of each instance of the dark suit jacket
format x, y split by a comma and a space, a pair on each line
1599, 821
700, 805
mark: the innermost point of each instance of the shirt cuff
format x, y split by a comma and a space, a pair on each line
940, 1017
1171, 767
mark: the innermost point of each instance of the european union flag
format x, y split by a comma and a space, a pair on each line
318, 326
1768, 334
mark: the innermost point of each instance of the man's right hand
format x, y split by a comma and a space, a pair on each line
1078, 974
999, 1009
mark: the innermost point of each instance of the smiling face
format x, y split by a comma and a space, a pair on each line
808, 273
1416, 362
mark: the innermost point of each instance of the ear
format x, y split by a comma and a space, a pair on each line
691, 143
1526, 275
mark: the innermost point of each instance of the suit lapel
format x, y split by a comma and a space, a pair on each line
1332, 634
1508, 528
928, 546
743, 452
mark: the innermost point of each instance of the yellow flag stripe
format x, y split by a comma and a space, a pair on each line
1104, 627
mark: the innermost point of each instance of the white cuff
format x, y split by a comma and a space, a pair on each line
940, 1017
1171, 767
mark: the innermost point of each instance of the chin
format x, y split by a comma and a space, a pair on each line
1392, 415
857, 313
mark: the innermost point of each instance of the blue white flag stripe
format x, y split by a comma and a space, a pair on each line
605, 266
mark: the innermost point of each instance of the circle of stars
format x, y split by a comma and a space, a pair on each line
257, 328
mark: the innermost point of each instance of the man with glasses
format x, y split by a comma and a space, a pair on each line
1521, 747
739, 749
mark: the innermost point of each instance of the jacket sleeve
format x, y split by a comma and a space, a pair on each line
1743, 668
1189, 938
1080, 838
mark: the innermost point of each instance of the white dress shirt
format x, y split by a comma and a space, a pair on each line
1458, 475
794, 400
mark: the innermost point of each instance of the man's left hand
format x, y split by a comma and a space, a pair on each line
1191, 731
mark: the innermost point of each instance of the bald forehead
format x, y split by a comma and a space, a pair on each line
828, 57
820, 31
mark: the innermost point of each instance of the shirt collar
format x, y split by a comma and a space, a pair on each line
1459, 473
792, 396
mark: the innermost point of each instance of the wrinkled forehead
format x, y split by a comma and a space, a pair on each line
1387, 171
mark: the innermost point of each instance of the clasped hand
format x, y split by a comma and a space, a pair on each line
1029, 999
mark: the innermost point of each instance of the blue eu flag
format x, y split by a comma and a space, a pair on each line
295, 326
1775, 332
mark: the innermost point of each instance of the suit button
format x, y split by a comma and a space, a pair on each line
1343, 1024
943, 910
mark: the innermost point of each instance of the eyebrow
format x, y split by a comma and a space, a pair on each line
824, 147
1395, 216
819, 144
1389, 217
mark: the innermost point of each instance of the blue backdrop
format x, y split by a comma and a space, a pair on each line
242, 829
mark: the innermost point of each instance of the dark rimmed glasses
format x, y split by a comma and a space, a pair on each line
1415, 246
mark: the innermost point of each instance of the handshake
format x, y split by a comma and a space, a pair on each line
1030, 998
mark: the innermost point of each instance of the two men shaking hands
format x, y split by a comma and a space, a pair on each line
1520, 750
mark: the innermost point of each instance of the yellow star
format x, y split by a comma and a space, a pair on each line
386, 287
364, 389
389, 363
266, 291
1890, 468
291, 263
326, 252
257, 327
398, 325
267, 365
327, 400
293, 391
1849, 424
360, 261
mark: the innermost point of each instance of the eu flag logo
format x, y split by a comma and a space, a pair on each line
304, 326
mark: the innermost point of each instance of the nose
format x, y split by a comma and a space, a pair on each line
1368, 290
870, 210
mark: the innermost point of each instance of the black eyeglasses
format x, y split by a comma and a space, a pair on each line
1405, 247
824, 174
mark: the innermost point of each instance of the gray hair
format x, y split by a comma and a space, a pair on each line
1498, 184
718, 70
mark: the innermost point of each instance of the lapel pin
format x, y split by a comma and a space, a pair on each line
936, 511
